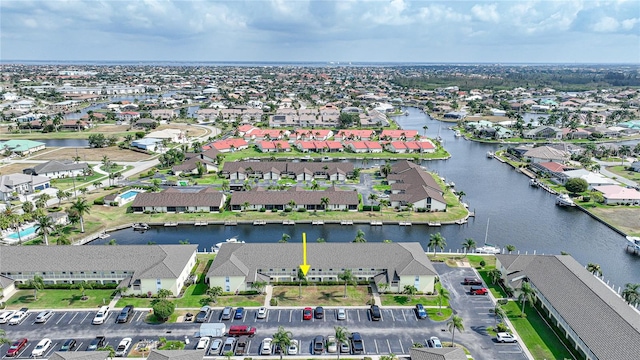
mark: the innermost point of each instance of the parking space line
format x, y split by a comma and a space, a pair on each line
61, 317
401, 347
290, 316
266, 318
392, 316
279, 311
389, 346
404, 315
376, 344
358, 312
74, 316
85, 317
140, 316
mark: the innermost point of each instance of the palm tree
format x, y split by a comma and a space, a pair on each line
325, 203
443, 295
3, 337
373, 197
342, 336
510, 248
61, 195
301, 277
461, 194
245, 206
527, 293
259, 286
285, 238
292, 204
44, 227
631, 294
359, 237
37, 283
63, 240
83, 286
15, 220
437, 241
410, 290
454, 324
594, 269
468, 245
82, 207
348, 278
424, 128
282, 338
213, 293
495, 275
498, 311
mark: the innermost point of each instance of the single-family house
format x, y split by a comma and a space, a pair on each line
58, 169
592, 178
128, 116
164, 114
227, 145
22, 147
21, 184
545, 154
193, 163
618, 195
543, 132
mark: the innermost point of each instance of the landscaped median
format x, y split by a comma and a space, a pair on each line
59, 299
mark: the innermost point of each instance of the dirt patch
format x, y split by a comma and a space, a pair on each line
86, 154
626, 219
191, 131
13, 168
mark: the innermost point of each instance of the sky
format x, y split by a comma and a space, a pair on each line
505, 31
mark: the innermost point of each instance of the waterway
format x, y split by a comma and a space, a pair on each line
517, 214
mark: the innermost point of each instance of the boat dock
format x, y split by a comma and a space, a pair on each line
259, 223
434, 224
376, 223
171, 224
346, 222
288, 222
201, 223
317, 222
633, 244
230, 223
404, 223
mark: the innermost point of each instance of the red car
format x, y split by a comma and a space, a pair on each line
17, 347
307, 313
478, 290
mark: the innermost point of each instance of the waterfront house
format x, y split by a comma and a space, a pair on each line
398, 135
618, 195
273, 146
592, 178
563, 290
543, 132
362, 135
22, 147
295, 198
174, 200
58, 169
545, 154
140, 268
237, 266
412, 185
21, 184
147, 144
128, 116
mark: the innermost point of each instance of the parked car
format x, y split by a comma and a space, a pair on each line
5, 316
307, 313
203, 343
41, 349
123, 347
226, 313
345, 348
504, 337
265, 348
96, 343
125, 314
471, 281
16, 348
68, 345
229, 345
434, 342
216, 345
332, 344
239, 313
421, 313
242, 346
375, 312
262, 313
342, 314
43, 316
241, 330
101, 315
478, 290
203, 314
357, 345
318, 312
293, 347
18, 316
318, 345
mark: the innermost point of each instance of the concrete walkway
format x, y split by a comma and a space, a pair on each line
268, 293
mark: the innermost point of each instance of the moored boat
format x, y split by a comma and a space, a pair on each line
232, 240
490, 154
140, 226
564, 200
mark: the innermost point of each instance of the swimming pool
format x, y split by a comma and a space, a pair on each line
24, 233
129, 194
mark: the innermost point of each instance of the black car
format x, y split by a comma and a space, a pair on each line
96, 343
357, 346
318, 345
471, 281
125, 314
68, 345
375, 313
318, 312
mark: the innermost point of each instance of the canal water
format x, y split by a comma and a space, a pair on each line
501, 197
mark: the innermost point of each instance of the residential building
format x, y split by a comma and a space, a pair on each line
543, 132
58, 169
174, 200
276, 170
545, 154
128, 116
412, 185
295, 198
163, 114
592, 178
81, 355
575, 301
147, 144
227, 145
445, 353
237, 265
21, 184
190, 165
140, 268
22, 147
618, 195
156, 354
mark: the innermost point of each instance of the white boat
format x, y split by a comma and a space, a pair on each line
490, 154
232, 240
487, 248
457, 134
534, 183
634, 243
140, 226
564, 200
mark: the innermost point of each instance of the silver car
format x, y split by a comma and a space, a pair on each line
342, 314
44, 316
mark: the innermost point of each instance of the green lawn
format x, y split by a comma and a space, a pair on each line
59, 299
497, 290
322, 295
403, 300
439, 314
541, 341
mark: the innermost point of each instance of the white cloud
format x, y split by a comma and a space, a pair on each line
628, 24
486, 13
606, 24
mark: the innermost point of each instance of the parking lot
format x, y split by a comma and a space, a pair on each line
395, 332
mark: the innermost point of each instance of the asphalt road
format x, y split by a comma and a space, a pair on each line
395, 333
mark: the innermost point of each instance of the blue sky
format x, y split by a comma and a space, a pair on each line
565, 31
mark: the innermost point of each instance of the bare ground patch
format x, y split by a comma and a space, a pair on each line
86, 154
626, 219
13, 168
193, 131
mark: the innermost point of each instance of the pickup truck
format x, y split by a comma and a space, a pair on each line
242, 345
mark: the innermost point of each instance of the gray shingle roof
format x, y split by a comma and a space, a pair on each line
590, 307
415, 183
176, 355
437, 354
245, 259
145, 261
80, 355
288, 167
174, 197
300, 196
59, 166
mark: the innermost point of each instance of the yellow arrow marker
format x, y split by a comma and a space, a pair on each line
304, 266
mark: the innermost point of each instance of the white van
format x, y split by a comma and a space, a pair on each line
101, 315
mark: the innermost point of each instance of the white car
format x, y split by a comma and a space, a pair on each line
203, 343
265, 348
504, 337
18, 317
262, 313
101, 316
332, 345
41, 348
44, 316
293, 348
342, 314
216, 345
434, 342
5, 316
123, 347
